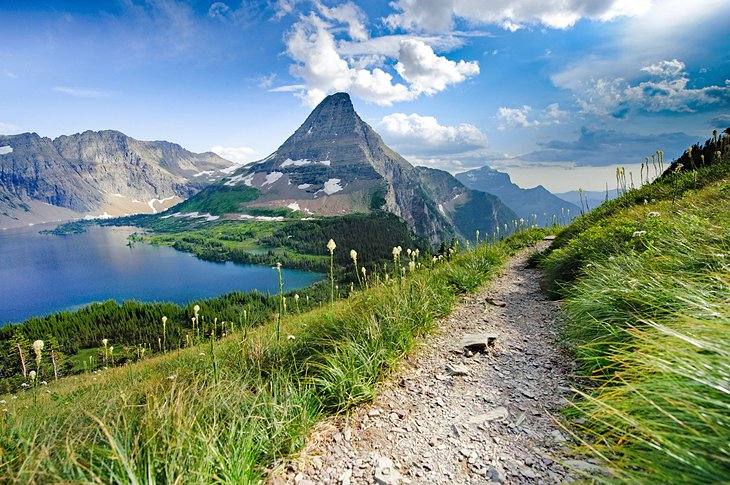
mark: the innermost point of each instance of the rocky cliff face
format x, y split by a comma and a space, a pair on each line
100, 172
527, 203
336, 163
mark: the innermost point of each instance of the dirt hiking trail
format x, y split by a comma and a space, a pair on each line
456, 416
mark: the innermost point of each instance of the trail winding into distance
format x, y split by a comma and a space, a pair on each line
454, 417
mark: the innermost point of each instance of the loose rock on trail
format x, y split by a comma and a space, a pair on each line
476, 404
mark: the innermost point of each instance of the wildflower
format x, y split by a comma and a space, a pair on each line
25, 384
408, 251
290, 337
638, 233
653, 214
201, 354
3, 401
364, 271
171, 377
278, 266
104, 342
396, 252
296, 296
353, 255
331, 245
38, 349
411, 266
44, 383
164, 321
434, 259
32, 375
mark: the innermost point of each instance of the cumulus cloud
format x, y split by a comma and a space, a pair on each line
440, 15
235, 154
666, 90
82, 92
427, 72
368, 73
424, 135
510, 118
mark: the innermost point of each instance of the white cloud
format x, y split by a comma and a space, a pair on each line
425, 135
311, 43
82, 92
439, 15
427, 72
514, 117
235, 154
219, 10
667, 90
665, 68
349, 14
8, 128
518, 117
283, 8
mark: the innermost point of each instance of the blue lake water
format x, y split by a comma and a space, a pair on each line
43, 274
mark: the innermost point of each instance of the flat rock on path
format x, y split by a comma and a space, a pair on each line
457, 416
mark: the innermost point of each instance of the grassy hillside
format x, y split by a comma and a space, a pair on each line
646, 284
225, 409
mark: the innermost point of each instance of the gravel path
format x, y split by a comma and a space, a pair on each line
454, 416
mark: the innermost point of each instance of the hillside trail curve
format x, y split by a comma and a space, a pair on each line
455, 416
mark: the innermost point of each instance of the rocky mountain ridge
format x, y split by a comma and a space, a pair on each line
98, 173
536, 202
335, 163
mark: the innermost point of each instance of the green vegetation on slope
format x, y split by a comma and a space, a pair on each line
646, 285
225, 410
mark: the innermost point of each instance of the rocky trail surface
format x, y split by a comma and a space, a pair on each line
457, 416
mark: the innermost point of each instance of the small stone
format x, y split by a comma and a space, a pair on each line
494, 302
345, 477
497, 414
527, 472
385, 472
374, 412
457, 370
497, 474
478, 341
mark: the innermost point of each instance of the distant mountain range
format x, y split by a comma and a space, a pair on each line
93, 174
335, 164
537, 201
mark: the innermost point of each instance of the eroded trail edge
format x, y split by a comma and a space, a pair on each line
455, 416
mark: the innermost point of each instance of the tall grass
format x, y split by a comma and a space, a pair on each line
647, 291
176, 419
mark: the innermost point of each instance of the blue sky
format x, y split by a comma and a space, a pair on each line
552, 92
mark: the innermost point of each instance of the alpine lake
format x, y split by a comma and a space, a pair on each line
41, 274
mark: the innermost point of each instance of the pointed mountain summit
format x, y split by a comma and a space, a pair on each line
335, 164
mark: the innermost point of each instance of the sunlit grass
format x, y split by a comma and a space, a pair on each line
646, 287
227, 410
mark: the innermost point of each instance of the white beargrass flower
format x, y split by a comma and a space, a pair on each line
331, 245
412, 266
638, 233
653, 214
353, 255
32, 375
38, 349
